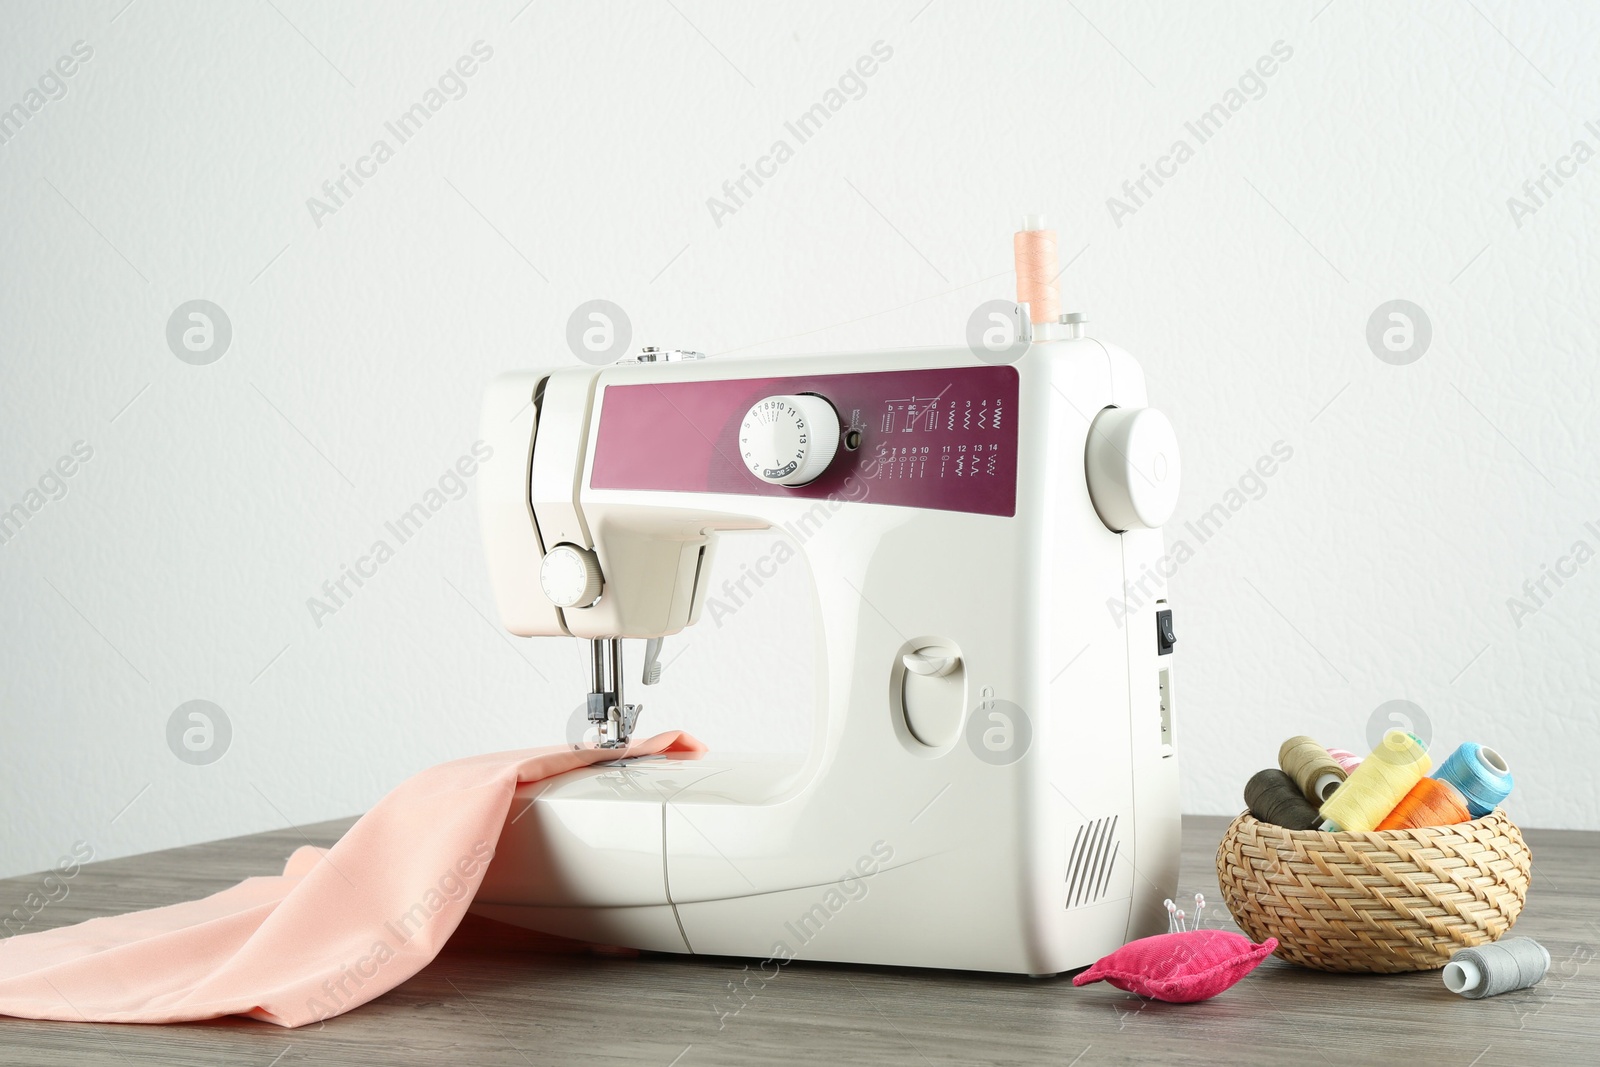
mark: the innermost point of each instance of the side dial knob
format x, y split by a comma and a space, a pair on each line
570, 576
789, 440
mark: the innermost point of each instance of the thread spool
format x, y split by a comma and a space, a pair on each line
1273, 797
1431, 802
1489, 970
1034, 249
1349, 761
1382, 780
1480, 774
1313, 770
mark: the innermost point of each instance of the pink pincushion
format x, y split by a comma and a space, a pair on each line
1180, 968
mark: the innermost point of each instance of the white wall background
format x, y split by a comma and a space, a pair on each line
1376, 564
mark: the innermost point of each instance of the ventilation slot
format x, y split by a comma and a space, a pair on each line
1094, 853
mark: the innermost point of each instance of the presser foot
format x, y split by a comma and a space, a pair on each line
615, 724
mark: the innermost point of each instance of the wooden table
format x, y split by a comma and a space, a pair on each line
498, 995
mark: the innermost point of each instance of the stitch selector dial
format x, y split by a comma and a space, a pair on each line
789, 440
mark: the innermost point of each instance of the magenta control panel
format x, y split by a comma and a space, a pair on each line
943, 439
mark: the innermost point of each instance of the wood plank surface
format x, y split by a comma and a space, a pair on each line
498, 995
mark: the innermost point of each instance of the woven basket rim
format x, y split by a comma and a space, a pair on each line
1497, 815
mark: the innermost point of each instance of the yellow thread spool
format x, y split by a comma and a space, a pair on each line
1382, 780
1316, 773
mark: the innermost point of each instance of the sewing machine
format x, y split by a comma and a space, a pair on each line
992, 780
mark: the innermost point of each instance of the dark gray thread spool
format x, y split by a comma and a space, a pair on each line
1489, 970
1273, 797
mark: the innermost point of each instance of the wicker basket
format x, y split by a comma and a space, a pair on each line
1391, 900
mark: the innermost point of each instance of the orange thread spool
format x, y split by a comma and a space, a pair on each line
1034, 248
1431, 802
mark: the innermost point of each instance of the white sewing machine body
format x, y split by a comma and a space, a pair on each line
1016, 813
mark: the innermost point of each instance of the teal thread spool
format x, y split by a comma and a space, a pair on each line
1480, 774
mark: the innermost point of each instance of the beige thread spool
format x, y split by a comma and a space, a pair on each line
1034, 247
1313, 770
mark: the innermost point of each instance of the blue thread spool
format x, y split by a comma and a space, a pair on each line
1480, 774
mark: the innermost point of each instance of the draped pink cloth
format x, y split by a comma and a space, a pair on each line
337, 928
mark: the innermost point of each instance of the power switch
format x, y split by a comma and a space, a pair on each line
1165, 638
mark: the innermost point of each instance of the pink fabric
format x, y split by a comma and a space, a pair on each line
1180, 968
336, 929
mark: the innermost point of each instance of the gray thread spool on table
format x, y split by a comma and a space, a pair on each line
1489, 970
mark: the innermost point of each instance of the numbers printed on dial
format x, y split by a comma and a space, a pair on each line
772, 412
789, 439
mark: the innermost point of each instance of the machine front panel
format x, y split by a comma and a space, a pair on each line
944, 439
